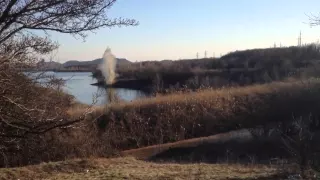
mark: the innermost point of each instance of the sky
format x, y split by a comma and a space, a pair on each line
178, 29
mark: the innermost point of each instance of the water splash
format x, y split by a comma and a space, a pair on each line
108, 66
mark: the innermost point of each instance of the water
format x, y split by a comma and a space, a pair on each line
78, 85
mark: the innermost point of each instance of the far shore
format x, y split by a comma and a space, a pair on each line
58, 70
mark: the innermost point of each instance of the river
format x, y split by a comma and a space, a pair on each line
79, 85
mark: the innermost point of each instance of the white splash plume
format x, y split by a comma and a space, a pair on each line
108, 66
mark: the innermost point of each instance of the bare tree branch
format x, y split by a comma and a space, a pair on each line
314, 20
71, 17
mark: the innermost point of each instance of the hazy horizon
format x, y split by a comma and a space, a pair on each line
179, 29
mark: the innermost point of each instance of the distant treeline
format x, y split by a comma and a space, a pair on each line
236, 68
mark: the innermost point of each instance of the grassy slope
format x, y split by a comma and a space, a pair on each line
130, 168
178, 116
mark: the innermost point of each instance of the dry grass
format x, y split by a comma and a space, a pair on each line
225, 93
78, 109
148, 152
130, 168
175, 117
181, 116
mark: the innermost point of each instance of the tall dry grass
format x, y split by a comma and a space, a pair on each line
181, 116
130, 168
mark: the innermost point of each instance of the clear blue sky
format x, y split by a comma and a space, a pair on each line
173, 29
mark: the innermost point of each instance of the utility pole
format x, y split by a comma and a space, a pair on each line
205, 54
299, 40
197, 55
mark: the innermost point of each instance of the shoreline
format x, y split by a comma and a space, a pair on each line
49, 70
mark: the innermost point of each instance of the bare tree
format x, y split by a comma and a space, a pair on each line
19, 19
26, 107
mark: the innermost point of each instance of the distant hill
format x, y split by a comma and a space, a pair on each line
49, 65
52, 65
93, 62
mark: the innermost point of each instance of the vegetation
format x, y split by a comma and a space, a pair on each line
181, 116
130, 168
275, 89
33, 110
236, 68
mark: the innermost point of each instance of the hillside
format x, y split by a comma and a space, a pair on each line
246, 67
